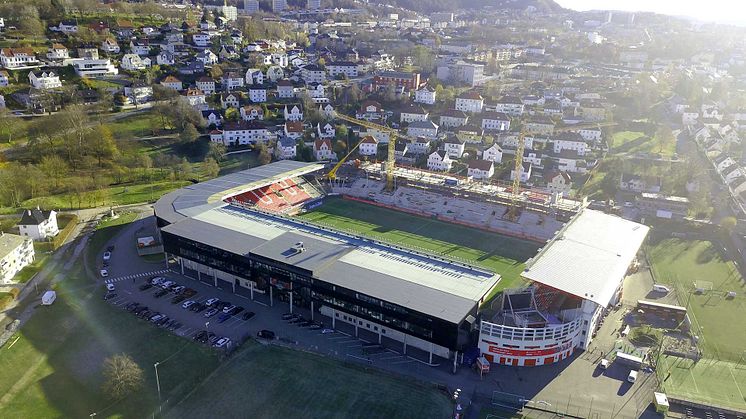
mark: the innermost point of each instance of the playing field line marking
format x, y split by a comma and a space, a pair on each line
736, 382
694, 380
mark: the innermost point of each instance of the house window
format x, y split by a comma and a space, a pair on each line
375, 328
336, 314
383, 331
360, 322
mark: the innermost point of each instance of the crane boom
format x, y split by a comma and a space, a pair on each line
390, 155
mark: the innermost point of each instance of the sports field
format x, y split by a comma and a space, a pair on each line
718, 383
502, 254
681, 263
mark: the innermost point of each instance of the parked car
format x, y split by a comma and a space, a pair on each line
110, 287
187, 304
237, 310
221, 342
189, 293
229, 308
200, 308
167, 285
200, 335
211, 301
220, 305
266, 334
107, 255
109, 295
178, 299
157, 280
160, 293
178, 289
287, 316
146, 286
248, 315
223, 317
104, 273
211, 312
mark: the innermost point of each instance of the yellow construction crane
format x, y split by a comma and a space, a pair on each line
514, 211
390, 157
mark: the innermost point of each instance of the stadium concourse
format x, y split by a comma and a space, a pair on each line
237, 232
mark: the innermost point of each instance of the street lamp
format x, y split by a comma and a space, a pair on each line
207, 327
158, 383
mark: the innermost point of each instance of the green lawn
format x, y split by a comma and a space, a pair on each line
717, 383
5, 299
137, 125
638, 142
681, 263
502, 254
273, 382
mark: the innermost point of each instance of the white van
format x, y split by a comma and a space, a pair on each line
604, 364
632, 377
661, 288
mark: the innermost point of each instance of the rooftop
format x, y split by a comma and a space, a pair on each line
9, 243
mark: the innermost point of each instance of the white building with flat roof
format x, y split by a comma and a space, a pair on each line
16, 252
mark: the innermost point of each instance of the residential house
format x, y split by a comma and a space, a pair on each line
231, 81
196, 98
413, 113
88, 51
258, 94
293, 129
567, 160
420, 145
110, 46
4, 79
285, 89
470, 101
452, 118
569, 141
228, 52
206, 85
88, 67
133, 62
313, 74
593, 111
510, 105
140, 47
400, 80
207, 57
558, 182
285, 148
327, 111
172, 83
371, 111
38, 224
66, 27
316, 91
12, 58
480, 169
539, 124
212, 118
165, 58
254, 76
251, 112
427, 129
342, 69
663, 206
201, 39
322, 149
294, 114
493, 153
495, 121
591, 135
525, 174
16, 252
230, 100
453, 146
241, 133
138, 93
44, 80
327, 131
439, 161
425, 95
58, 52
368, 146
192, 67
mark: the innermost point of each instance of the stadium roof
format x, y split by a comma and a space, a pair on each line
426, 284
198, 198
589, 257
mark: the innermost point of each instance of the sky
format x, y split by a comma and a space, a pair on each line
721, 11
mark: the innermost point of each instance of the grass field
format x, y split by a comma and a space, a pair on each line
137, 125
276, 382
502, 254
638, 142
718, 383
680, 263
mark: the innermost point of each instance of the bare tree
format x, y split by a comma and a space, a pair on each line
122, 376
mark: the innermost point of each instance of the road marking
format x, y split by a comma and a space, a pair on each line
134, 276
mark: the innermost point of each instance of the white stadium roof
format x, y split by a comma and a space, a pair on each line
590, 257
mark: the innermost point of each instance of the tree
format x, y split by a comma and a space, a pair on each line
9, 125
54, 167
728, 224
665, 137
210, 167
100, 144
189, 134
216, 151
264, 156
122, 376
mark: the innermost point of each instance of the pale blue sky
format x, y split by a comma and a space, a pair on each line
728, 11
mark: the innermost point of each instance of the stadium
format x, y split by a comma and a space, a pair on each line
262, 233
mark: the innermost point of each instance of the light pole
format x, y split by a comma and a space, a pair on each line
158, 383
207, 327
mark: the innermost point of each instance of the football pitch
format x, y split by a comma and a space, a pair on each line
716, 383
502, 254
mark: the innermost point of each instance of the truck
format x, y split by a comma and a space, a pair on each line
48, 298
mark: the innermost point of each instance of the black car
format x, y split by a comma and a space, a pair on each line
266, 334
200, 335
132, 306
288, 316
248, 315
178, 299
220, 305
110, 248
146, 286
236, 310
109, 295
160, 293
194, 307
201, 308
305, 323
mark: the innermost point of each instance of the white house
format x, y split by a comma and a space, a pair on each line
525, 173
251, 112
230, 100
201, 39
38, 224
480, 169
439, 161
165, 58
206, 85
294, 114
89, 67
342, 68
110, 46
494, 153
293, 129
285, 148
139, 93
559, 182
66, 27
232, 80
470, 101
427, 129
241, 133
140, 47
420, 145
368, 146
510, 105
207, 57
172, 83
327, 111
313, 74
322, 149
285, 89
16, 252
569, 141
425, 95
453, 146
452, 118
327, 131
17, 57
254, 76
58, 52
413, 113
258, 94
43, 80
133, 62
196, 98
495, 121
